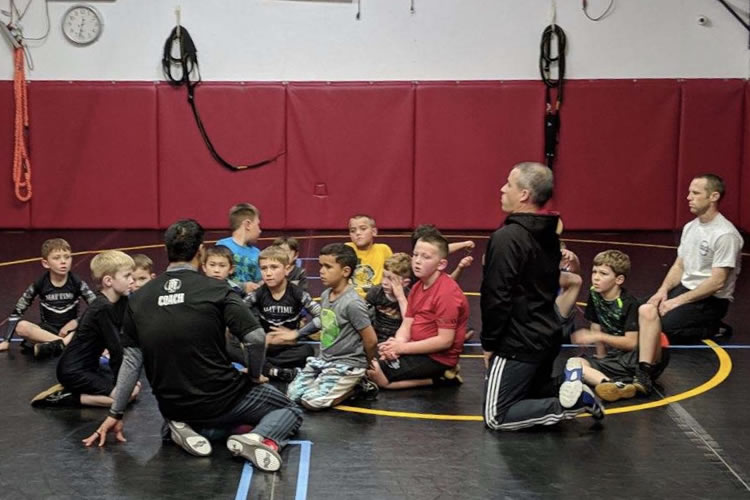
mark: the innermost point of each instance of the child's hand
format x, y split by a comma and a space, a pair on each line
281, 336
4, 346
466, 262
469, 246
397, 289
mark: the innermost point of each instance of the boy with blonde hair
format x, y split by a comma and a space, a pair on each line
347, 341
614, 330
297, 276
83, 380
370, 255
279, 305
244, 222
431, 336
387, 301
59, 291
143, 271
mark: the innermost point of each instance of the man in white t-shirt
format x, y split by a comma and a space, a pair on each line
695, 294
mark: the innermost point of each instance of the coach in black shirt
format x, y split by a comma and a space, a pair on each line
175, 327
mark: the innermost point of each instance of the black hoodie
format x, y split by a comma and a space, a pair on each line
519, 286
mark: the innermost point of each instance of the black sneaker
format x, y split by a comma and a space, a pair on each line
643, 383
366, 390
48, 349
284, 374
55, 396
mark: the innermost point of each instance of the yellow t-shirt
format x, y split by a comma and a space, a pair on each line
369, 271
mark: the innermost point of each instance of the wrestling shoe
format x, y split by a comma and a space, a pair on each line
366, 390
573, 386
612, 391
643, 382
284, 374
263, 453
186, 438
590, 403
48, 349
55, 396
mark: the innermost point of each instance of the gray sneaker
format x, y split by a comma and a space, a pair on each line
259, 451
189, 440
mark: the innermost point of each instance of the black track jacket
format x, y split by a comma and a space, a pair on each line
519, 285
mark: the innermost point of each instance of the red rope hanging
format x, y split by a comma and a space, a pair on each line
21, 162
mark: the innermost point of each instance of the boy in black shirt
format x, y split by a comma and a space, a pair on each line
387, 301
279, 305
58, 290
83, 380
613, 313
296, 275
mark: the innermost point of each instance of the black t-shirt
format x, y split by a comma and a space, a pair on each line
179, 321
57, 304
285, 312
384, 313
98, 329
614, 316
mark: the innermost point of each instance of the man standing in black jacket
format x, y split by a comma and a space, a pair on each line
521, 332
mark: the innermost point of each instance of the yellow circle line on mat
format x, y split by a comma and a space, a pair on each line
725, 368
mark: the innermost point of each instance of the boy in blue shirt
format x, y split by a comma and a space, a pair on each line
244, 221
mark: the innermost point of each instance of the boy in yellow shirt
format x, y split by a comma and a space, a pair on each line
370, 255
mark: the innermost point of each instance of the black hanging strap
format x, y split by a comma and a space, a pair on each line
187, 62
552, 112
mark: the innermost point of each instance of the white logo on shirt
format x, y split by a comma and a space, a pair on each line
703, 249
173, 285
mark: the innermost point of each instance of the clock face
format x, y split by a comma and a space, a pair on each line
82, 24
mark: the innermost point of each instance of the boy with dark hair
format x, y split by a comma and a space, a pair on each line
59, 291
613, 313
467, 246
347, 341
244, 222
370, 255
297, 276
143, 272
279, 306
431, 336
387, 301
82, 379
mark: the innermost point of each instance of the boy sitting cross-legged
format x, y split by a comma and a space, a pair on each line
84, 381
347, 340
279, 305
59, 291
387, 301
370, 255
614, 330
432, 334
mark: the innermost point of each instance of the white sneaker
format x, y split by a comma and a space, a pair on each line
571, 389
251, 447
189, 440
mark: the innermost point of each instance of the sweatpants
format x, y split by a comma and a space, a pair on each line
520, 394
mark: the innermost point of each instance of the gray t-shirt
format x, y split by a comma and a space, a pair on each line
704, 246
342, 320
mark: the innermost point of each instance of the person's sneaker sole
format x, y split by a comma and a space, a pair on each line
610, 391
571, 389
189, 440
262, 457
38, 400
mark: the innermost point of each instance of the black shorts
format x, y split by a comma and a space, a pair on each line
50, 328
412, 367
689, 323
621, 365
95, 383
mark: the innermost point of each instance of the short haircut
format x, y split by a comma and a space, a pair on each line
219, 251
53, 244
438, 241
422, 230
143, 261
108, 263
276, 253
241, 212
345, 255
618, 261
538, 180
714, 184
183, 239
370, 219
399, 263
289, 241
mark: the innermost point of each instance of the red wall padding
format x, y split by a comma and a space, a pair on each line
617, 164
246, 125
13, 213
711, 128
350, 150
468, 137
129, 155
93, 150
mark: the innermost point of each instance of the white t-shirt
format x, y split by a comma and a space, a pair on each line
704, 246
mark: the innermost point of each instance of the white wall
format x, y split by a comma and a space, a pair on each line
282, 40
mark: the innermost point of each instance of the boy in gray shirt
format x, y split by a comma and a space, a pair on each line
347, 339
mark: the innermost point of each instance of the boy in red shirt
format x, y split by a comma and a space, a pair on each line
432, 334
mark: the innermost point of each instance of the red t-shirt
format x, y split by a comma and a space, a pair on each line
442, 305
